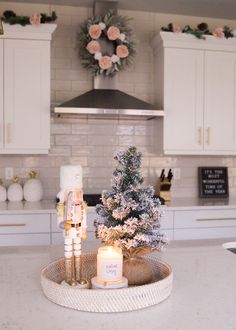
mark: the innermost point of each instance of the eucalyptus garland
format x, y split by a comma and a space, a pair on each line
112, 30
201, 30
11, 18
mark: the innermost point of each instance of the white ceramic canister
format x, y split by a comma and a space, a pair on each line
15, 191
3, 192
33, 189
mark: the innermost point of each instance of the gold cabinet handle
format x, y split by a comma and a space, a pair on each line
199, 135
12, 224
208, 135
8, 133
216, 219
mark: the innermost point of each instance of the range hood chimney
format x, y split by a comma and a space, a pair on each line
105, 98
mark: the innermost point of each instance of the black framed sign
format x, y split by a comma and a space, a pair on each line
213, 182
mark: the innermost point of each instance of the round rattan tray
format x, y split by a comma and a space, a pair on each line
105, 301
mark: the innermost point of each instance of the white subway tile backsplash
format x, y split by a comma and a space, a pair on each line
99, 184
64, 52
97, 172
71, 75
60, 151
62, 96
228, 161
83, 129
71, 140
60, 85
92, 151
61, 128
125, 130
100, 161
101, 140
61, 63
81, 86
79, 161
64, 19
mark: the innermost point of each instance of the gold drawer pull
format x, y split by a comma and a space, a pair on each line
12, 225
199, 135
213, 219
208, 135
8, 133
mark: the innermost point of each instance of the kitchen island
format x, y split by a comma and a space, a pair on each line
203, 296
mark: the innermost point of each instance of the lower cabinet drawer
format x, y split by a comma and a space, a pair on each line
205, 218
24, 223
167, 220
169, 233
24, 239
204, 233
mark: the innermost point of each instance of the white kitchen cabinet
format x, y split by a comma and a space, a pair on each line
25, 89
220, 101
24, 229
196, 83
204, 224
167, 224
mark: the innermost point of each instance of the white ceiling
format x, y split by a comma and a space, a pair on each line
203, 8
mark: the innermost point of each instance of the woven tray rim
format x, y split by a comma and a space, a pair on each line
55, 292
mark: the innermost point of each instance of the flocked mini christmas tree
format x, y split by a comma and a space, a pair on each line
129, 216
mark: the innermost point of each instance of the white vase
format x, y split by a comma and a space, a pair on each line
15, 192
33, 189
3, 193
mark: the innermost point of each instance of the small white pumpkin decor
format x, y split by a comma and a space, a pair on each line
33, 189
3, 192
15, 191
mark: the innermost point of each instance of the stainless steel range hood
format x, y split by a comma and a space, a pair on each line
105, 98
108, 101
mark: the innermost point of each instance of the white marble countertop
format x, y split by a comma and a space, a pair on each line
44, 206
48, 206
203, 296
197, 203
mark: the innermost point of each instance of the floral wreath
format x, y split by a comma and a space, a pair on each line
114, 29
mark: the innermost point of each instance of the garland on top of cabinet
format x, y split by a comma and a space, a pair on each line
200, 31
11, 18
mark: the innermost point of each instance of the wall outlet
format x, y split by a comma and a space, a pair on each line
9, 173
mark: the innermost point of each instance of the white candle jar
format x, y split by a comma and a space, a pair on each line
109, 265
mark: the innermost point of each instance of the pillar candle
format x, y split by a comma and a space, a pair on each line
109, 264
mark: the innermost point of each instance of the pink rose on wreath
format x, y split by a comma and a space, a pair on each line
122, 51
113, 33
35, 19
95, 31
93, 47
105, 62
219, 32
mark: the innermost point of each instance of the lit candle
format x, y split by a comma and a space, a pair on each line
109, 265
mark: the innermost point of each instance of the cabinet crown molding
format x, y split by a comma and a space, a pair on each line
17, 31
184, 40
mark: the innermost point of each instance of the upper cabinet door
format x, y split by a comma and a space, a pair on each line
220, 100
1, 95
183, 99
27, 95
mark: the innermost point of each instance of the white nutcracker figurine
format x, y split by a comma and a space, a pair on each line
71, 216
